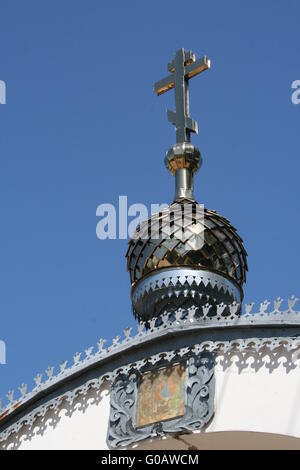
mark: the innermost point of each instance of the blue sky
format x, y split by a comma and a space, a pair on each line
82, 126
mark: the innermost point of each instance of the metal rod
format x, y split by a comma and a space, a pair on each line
184, 184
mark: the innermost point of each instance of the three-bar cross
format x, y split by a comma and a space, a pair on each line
182, 68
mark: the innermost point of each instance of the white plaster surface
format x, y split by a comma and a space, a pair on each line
262, 400
80, 429
256, 393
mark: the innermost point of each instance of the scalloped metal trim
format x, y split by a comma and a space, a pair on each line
183, 276
178, 321
252, 344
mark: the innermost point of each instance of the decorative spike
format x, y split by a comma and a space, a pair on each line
233, 308
49, 372
248, 308
76, 358
62, 366
152, 323
38, 379
206, 308
263, 306
23, 389
291, 302
165, 318
220, 308
140, 327
115, 341
178, 314
101, 344
277, 304
10, 395
191, 313
127, 332
88, 352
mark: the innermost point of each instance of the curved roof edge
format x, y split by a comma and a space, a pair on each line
186, 328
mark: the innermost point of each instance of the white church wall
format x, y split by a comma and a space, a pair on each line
255, 392
258, 392
81, 425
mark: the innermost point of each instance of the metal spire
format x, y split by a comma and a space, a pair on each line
183, 159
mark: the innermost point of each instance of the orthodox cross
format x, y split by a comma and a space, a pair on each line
182, 68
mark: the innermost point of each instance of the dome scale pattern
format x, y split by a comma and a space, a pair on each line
210, 243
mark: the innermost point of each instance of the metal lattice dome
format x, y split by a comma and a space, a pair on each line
210, 243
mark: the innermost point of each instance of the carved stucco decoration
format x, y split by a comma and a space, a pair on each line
198, 407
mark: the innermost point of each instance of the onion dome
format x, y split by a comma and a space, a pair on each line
185, 256
222, 250
185, 253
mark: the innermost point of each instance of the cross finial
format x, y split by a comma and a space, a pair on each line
182, 68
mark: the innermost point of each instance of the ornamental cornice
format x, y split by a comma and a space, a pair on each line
252, 345
170, 323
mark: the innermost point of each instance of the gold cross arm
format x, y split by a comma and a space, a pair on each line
190, 70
